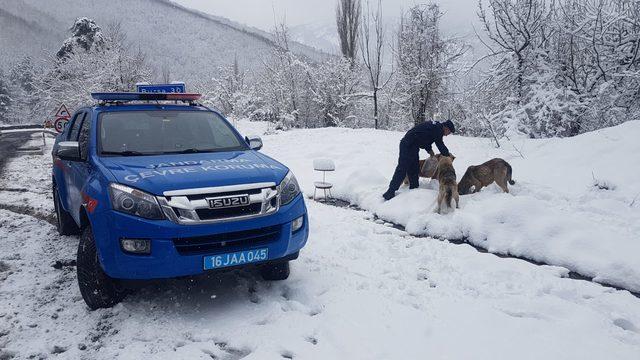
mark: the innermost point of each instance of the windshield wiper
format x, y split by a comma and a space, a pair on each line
191, 151
124, 153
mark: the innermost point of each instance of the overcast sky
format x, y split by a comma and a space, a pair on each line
259, 13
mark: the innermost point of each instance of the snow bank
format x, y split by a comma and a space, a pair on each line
559, 212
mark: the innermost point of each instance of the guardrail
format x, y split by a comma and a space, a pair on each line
25, 131
26, 128
20, 126
29, 129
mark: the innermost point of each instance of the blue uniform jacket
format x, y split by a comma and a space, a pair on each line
422, 136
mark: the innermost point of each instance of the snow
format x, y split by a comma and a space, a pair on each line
554, 213
360, 290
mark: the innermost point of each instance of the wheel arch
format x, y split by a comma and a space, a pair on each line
84, 218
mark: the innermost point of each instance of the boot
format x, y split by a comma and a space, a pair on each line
389, 195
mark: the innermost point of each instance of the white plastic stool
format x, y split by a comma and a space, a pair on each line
323, 165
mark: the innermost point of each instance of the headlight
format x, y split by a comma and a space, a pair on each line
289, 189
134, 202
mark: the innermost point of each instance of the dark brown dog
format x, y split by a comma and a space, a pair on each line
448, 190
479, 176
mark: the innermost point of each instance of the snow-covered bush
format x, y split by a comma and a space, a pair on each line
566, 67
332, 86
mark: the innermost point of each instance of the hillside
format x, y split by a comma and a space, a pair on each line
188, 43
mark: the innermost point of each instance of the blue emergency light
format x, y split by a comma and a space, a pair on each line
139, 96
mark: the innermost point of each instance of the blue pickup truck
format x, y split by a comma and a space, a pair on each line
159, 186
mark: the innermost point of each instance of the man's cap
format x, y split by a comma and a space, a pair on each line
449, 125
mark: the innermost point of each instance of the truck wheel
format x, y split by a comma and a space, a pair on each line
64, 222
97, 288
277, 271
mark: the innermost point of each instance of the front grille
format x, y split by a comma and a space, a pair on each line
212, 214
227, 193
227, 242
191, 206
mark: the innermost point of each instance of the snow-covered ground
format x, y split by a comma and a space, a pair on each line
556, 213
360, 290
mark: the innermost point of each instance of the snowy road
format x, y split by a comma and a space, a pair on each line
360, 290
8, 144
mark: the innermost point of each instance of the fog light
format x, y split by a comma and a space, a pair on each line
297, 224
136, 246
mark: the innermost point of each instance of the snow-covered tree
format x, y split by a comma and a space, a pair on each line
22, 77
279, 84
598, 53
109, 66
230, 92
348, 14
372, 46
5, 98
333, 88
85, 35
426, 61
566, 66
516, 29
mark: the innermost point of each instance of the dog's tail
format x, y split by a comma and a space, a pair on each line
509, 175
449, 196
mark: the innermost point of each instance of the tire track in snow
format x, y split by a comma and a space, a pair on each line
30, 211
574, 275
9, 145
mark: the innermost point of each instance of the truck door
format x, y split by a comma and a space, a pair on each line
80, 169
62, 168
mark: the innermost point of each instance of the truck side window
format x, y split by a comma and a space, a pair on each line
83, 138
75, 127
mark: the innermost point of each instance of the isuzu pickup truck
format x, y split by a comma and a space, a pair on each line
159, 186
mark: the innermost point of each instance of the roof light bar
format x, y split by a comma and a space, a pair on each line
134, 96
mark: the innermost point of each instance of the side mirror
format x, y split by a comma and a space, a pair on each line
68, 150
255, 142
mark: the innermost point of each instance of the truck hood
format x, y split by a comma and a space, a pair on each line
159, 173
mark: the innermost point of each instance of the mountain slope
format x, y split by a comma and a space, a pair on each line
188, 43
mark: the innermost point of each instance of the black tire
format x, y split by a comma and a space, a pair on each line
275, 271
97, 288
64, 222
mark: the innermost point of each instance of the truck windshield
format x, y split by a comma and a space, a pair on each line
134, 133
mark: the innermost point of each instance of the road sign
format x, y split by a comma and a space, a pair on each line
62, 112
62, 117
60, 123
161, 88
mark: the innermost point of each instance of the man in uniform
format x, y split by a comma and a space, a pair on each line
422, 136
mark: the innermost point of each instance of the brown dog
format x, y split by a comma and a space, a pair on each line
428, 167
446, 176
480, 176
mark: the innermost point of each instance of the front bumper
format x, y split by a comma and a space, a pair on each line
166, 262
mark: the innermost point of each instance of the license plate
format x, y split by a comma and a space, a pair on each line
235, 258
228, 201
